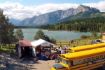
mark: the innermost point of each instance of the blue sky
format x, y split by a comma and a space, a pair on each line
39, 2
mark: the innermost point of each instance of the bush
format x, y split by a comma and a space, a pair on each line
40, 35
85, 37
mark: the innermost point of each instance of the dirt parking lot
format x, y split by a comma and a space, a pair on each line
42, 65
9, 63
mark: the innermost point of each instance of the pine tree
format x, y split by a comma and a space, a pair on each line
40, 35
6, 29
19, 34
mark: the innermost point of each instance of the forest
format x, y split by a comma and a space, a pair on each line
96, 24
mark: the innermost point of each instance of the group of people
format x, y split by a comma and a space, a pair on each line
62, 50
43, 53
48, 54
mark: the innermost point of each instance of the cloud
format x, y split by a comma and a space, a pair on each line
18, 11
99, 5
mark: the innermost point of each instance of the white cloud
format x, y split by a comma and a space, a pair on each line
16, 10
19, 11
100, 5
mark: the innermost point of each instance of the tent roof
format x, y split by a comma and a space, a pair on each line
24, 43
40, 42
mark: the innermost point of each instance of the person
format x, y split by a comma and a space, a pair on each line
47, 54
17, 45
34, 52
59, 50
65, 48
72, 41
62, 51
18, 50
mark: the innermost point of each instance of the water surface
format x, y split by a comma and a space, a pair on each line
58, 35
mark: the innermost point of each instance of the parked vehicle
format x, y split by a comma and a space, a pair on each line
82, 60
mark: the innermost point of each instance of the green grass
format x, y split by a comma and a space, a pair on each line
77, 42
7, 48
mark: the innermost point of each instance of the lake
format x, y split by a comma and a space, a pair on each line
29, 34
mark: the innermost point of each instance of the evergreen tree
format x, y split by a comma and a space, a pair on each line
19, 34
94, 24
40, 35
6, 29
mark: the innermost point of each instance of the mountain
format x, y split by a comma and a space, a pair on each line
59, 15
85, 12
15, 21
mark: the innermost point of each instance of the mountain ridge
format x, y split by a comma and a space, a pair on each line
58, 16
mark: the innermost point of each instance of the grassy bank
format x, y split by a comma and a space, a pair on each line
7, 48
74, 43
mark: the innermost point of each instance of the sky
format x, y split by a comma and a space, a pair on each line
21, 9
39, 2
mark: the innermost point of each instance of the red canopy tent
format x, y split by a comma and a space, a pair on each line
25, 48
25, 43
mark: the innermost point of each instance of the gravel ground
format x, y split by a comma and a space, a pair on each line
11, 63
43, 65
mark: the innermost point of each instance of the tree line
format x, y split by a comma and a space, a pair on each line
96, 24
